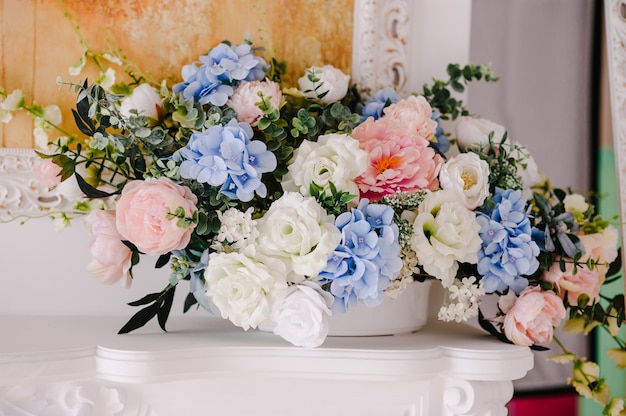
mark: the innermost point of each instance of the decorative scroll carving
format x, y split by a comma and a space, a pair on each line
474, 398
379, 56
20, 192
615, 19
82, 398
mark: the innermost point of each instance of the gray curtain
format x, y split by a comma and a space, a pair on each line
542, 51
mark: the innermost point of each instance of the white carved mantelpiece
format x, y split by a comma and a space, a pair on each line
79, 366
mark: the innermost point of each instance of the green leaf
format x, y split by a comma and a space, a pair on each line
457, 86
190, 300
264, 123
162, 260
146, 299
140, 318
166, 307
89, 190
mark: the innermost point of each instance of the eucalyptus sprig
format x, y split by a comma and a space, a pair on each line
439, 93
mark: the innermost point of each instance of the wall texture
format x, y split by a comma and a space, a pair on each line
37, 43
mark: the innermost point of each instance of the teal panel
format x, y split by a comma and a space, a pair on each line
608, 207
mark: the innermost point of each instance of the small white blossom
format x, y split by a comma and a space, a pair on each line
463, 297
409, 268
113, 59
107, 79
75, 70
238, 228
14, 101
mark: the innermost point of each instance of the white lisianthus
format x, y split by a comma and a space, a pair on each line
145, 100
301, 314
246, 96
335, 158
471, 131
242, 286
297, 230
327, 81
468, 175
445, 232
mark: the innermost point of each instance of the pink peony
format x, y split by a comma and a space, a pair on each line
110, 258
601, 247
48, 173
415, 114
532, 317
246, 95
399, 159
142, 212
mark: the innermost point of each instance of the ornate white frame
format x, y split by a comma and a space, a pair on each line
389, 40
615, 24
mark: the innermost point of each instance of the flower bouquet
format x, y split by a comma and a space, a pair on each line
283, 205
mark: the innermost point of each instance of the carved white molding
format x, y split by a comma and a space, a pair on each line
394, 44
71, 398
474, 398
21, 194
615, 22
379, 56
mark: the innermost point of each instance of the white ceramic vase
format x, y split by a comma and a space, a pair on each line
407, 313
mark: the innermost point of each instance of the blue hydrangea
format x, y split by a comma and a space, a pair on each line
367, 258
225, 156
508, 252
374, 105
443, 143
223, 67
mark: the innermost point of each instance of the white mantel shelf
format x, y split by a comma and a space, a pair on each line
57, 366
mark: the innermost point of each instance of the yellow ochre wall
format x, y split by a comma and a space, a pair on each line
38, 43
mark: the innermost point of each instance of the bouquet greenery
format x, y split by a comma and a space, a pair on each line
282, 205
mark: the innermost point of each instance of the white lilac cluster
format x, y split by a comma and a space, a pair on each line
462, 300
237, 229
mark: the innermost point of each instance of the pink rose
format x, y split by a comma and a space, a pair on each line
399, 159
110, 258
601, 247
246, 95
533, 316
142, 212
48, 173
415, 114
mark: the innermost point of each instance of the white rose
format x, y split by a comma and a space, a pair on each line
145, 100
335, 158
330, 81
301, 314
471, 131
242, 285
297, 230
445, 232
575, 203
526, 169
468, 175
